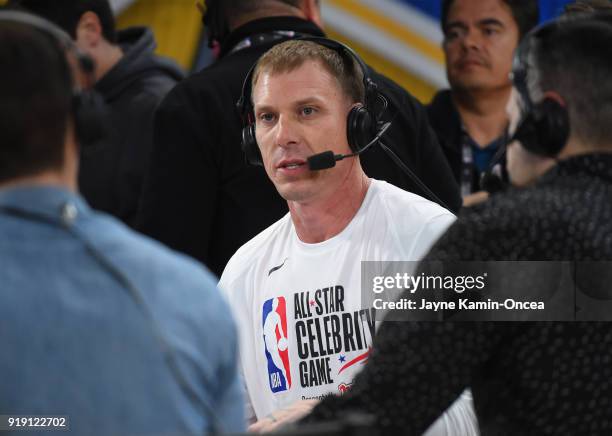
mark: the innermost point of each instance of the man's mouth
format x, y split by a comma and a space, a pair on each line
291, 164
470, 62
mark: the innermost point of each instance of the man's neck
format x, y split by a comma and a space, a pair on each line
319, 221
483, 113
106, 57
576, 147
48, 178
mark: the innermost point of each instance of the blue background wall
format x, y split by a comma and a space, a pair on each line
548, 8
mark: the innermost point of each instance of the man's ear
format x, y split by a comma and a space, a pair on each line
553, 95
312, 11
89, 30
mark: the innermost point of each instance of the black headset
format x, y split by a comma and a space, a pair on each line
88, 107
544, 127
363, 123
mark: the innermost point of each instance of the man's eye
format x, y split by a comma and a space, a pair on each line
452, 34
266, 117
308, 111
490, 31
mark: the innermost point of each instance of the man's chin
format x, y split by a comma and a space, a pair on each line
295, 196
294, 190
294, 193
473, 83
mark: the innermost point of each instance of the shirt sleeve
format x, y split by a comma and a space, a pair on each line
431, 233
459, 420
232, 287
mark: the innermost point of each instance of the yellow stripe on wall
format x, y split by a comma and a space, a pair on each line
177, 26
421, 89
391, 27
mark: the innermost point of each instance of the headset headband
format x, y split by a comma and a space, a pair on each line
244, 103
520, 63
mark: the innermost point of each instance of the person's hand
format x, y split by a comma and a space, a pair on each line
285, 416
475, 198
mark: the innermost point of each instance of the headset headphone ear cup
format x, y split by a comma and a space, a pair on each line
360, 128
91, 118
545, 130
553, 126
249, 146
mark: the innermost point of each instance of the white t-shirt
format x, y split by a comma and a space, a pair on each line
303, 332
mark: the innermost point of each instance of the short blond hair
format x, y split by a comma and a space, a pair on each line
290, 55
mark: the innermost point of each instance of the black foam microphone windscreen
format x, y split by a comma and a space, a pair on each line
322, 161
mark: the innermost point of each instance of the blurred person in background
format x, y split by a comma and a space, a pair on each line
540, 378
97, 323
201, 197
480, 37
132, 81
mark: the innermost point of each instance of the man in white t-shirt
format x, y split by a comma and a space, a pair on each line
296, 287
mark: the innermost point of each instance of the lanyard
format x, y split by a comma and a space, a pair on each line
265, 38
468, 168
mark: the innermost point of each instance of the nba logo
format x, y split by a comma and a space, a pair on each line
276, 344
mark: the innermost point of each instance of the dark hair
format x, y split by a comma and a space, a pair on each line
36, 101
574, 59
588, 6
218, 13
241, 7
526, 14
67, 13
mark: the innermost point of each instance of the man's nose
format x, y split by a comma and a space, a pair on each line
286, 134
471, 40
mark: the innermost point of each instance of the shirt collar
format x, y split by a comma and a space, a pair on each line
269, 24
46, 200
597, 165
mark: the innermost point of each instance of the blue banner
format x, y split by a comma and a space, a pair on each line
548, 8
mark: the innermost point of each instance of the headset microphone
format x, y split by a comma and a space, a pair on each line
323, 161
328, 159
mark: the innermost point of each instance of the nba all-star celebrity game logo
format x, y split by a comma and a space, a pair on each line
330, 341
